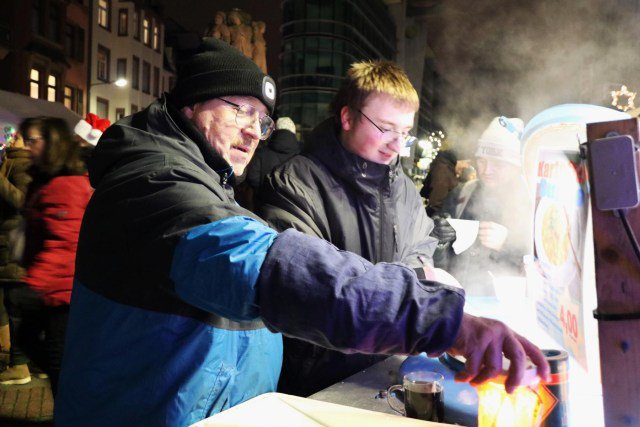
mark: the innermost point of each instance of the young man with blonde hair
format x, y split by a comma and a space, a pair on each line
348, 188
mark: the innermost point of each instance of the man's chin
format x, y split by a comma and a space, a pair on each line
238, 169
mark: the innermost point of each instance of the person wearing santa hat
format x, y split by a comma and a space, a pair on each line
90, 130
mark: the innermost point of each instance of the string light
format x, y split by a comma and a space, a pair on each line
430, 146
623, 93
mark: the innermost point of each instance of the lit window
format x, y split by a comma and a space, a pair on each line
104, 13
145, 31
51, 88
34, 83
156, 37
68, 97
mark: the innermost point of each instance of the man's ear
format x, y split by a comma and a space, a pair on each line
188, 111
346, 118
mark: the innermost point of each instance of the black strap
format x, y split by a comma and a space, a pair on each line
615, 316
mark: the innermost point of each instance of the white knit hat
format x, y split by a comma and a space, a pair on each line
286, 123
501, 140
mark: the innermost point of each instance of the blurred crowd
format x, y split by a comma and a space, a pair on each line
44, 190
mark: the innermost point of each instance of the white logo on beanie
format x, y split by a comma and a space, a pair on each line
268, 88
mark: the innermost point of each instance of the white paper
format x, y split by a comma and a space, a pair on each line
466, 233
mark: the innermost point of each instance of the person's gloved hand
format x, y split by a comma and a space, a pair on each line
442, 230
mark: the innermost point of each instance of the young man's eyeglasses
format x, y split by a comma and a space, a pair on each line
246, 116
389, 135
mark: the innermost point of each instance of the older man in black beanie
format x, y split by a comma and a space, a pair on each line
179, 293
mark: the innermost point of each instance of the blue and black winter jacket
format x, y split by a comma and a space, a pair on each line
179, 293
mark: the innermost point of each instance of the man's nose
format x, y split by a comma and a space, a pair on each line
253, 129
396, 143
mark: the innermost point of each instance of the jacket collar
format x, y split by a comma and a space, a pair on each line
326, 147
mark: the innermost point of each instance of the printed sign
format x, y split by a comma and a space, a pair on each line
560, 221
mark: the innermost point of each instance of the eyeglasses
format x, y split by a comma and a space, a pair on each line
389, 135
246, 116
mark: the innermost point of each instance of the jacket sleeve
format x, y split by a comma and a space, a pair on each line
311, 290
14, 181
418, 245
289, 203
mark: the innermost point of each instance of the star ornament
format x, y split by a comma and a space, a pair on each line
620, 95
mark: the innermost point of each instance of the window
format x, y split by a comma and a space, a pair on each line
55, 20
146, 77
134, 108
73, 99
104, 14
51, 88
68, 97
135, 73
79, 44
34, 83
37, 24
74, 42
123, 22
156, 81
79, 102
68, 39
145, 32
121, 68
102, 108
136, 25
119, 113
156, 37
103, 63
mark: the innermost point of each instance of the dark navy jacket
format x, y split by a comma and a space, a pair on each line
179, 293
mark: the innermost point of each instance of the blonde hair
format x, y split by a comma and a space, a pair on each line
370, 77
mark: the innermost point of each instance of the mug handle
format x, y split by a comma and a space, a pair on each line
391, 395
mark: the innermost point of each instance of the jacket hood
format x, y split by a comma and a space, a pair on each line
323, 143
285, 142
159, 129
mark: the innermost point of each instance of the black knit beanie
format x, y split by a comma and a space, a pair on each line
217, 69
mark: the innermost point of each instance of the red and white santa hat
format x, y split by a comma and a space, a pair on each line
90, 129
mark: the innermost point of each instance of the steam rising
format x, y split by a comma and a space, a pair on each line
519, 58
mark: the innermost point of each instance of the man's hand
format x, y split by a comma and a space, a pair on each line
442, 230
492, 235
483, 342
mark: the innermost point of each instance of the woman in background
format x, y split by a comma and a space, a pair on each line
14, 180
56, 200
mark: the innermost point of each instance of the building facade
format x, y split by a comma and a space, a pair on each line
43, 50
127, 43
320, 39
